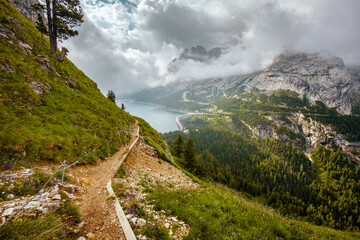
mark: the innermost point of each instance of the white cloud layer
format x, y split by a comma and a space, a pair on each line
127, 45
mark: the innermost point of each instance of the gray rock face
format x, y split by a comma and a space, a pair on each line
24, 7
199, 53
315, 133
319, 76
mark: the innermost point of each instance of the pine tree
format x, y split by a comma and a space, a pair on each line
190, 158
178, 146
62, 17
111, 96
41, 27
123, 106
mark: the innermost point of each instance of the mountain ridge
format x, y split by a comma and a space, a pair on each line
319, 76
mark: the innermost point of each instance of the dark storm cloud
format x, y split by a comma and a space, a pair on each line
128, 50
185, 26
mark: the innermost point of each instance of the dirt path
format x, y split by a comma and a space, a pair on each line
100, 220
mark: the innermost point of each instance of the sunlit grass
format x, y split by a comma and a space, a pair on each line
216, 212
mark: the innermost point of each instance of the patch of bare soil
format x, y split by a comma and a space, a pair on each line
143, 170
99, 217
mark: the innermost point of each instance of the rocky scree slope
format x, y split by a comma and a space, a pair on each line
50, 110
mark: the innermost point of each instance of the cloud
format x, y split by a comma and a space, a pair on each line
126, 45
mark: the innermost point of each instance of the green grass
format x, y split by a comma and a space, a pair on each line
216, 212
45, 227
21, 186
55, 225
154, 139
110, 198
157, 232
70, 118
118, 189
121, 172
69, 213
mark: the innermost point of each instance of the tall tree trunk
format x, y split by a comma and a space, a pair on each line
51, 18
53, 43
53, 36
50, 23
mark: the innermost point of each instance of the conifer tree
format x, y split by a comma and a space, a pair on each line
41, 27
111, 96
178, 146
62, 17
190, 155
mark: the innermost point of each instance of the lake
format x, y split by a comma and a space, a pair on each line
159, 118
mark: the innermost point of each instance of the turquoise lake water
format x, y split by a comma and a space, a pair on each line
159, 118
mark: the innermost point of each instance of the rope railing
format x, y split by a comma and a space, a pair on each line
64, 167
39, 192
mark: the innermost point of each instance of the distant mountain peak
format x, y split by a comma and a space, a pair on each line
199, 53
291, 59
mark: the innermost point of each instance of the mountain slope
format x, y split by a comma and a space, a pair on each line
320, 76
50, 110
179, 206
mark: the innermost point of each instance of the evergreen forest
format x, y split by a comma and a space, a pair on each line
323, 189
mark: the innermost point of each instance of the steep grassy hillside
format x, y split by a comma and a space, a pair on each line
217, 212
50, 110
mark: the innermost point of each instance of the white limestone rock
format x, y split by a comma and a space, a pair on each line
141, 222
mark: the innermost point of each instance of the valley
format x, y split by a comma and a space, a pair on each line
268, 154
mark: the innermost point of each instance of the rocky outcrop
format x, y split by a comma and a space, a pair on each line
199, 53
320, 76
314, 132
24, 7
48, 201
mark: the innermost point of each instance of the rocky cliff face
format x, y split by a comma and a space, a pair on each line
314, 132
198, 53
319, 76
24, 7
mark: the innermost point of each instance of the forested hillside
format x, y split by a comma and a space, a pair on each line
272, 166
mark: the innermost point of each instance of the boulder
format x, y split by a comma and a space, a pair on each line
56, 197
141, 222
133, 220
8, 212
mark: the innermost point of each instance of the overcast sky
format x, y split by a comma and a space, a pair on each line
127, 45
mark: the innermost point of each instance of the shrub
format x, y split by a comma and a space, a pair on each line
157, 232
121, 172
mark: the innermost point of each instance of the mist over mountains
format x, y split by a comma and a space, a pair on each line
122, 44
318, 76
